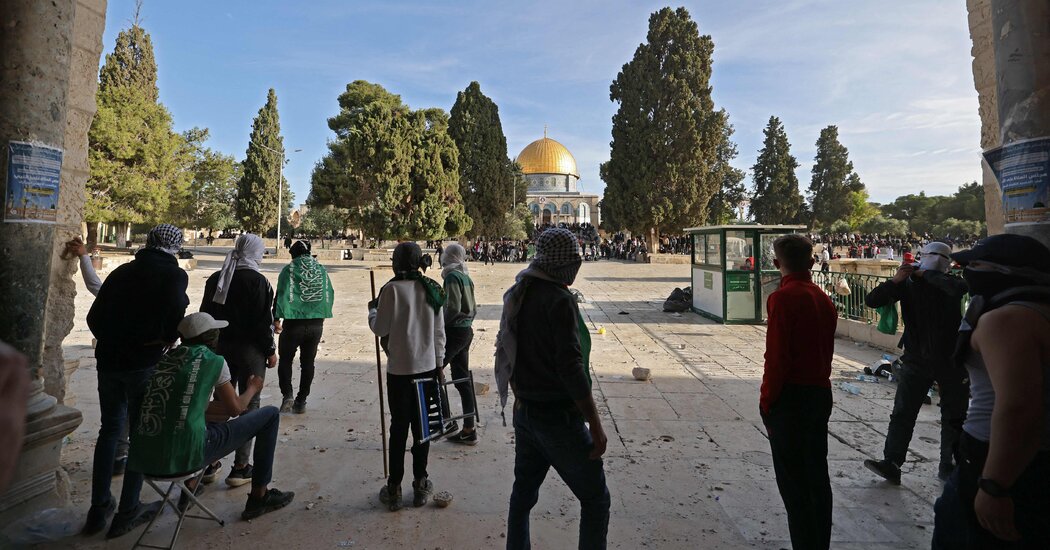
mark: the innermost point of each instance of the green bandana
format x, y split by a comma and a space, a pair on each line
435, 294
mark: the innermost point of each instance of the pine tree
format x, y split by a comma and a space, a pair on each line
666, 133
138, 163
487, 179
731, 192
833, 180
395, 170
258, 187
776, 199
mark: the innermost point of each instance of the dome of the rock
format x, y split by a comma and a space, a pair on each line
546, 156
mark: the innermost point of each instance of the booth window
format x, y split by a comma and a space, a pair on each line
739, 251
699, 248
714, 250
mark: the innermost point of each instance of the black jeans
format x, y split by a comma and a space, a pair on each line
546, 437
798, 437
955, 523
912, 385
244, 361
303, 335
404, 414
119, 397
457, 353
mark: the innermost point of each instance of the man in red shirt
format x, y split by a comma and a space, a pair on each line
796, 392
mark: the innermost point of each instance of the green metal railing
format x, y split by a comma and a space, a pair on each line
850, 305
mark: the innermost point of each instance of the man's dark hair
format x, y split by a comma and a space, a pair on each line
794, 251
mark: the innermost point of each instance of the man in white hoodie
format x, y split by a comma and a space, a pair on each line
409, 319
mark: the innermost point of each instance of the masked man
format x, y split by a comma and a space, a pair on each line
930, 301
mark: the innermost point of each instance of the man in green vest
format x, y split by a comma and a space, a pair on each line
180, 431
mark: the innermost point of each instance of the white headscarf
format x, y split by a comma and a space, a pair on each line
453, 258
246, 254
936, 256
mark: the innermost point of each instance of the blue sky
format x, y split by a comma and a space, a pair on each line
894, 76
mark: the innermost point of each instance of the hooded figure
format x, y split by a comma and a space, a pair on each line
460, 310
542, 351
407, 315
165, 237
936, 256
304, 300
241, 295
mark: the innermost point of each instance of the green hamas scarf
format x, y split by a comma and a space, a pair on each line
435, 294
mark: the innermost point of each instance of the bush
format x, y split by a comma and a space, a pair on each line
840, 226
885, 226
959, 228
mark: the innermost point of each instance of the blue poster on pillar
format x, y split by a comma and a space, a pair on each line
34, 173
1023, 171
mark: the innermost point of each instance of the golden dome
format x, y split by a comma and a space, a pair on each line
546, 156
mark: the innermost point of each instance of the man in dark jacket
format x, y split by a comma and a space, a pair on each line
931, 308
546, 344
134, 318
241, 295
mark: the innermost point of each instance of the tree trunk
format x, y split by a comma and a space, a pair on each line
122, 235
92, 235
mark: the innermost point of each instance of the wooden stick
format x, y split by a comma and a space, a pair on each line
379, 378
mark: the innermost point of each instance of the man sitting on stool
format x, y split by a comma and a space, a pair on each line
172, 437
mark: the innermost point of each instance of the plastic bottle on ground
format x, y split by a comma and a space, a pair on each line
850, 388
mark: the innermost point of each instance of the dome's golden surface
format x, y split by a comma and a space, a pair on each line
546, 156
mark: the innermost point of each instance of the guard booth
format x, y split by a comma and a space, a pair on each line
733, 271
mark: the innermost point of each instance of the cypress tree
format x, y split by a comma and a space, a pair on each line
776, 199
139, 165
257, 189
731, 191
666, 133
395, 170
833, 180
487, 179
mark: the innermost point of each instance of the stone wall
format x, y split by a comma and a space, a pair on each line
983, 52
88, 25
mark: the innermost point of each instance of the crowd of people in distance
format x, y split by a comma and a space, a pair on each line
676, 244
858, 245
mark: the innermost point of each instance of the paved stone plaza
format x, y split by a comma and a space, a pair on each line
688, 462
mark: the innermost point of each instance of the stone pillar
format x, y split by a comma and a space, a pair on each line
38, 65
1022, 76
983, 52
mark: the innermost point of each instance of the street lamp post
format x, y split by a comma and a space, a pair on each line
280, 192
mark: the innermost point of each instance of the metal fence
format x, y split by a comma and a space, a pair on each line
848, 291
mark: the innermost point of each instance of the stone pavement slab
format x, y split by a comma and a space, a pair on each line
688, 462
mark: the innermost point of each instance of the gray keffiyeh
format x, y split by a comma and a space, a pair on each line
558, 255
165, 237
247, 252
453, 258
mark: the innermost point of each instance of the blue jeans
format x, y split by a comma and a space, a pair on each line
546, 437
226, 437
119, 398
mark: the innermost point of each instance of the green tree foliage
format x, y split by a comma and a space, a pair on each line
881, 225
922, 213
666, 132
518, 223
953, 227
394, 169
839, 227
488, 182
833, 180
138, 163
212, 193
860, 210
325, 221
723, 206
776, 198
258, 188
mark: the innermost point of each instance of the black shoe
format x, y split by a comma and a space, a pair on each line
286, 404
944, 471
451, 427
126, 523
888, 470
119, 465
391, 497
211, 473
97, 518
299, 407
239, 476
465, 438
273, 500
421, 492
